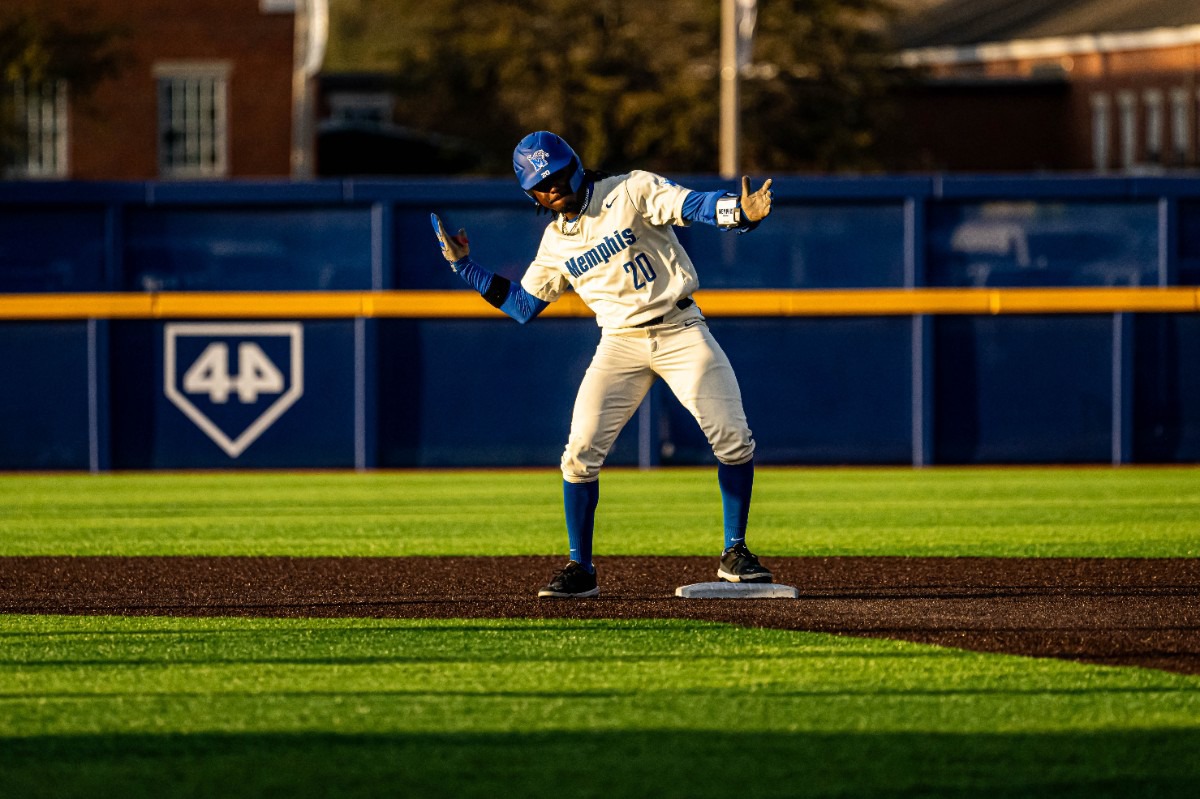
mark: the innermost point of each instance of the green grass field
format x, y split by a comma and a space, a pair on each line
1126, 512
95, 706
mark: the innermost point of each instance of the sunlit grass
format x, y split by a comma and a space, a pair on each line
1082, 512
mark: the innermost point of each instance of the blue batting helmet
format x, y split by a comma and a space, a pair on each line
539, 155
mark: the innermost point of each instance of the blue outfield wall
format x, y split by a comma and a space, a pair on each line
342, 393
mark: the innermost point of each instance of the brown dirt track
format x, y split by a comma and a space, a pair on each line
1129, 612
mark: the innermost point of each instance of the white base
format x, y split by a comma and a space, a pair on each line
723, 590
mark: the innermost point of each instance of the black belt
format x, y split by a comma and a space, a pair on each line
686, 302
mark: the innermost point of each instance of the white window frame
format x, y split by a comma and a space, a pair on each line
1127, 124
1101, 131
1181, 127
41, 113
1152, 102
193, 119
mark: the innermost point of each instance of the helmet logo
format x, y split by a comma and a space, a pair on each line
539, 159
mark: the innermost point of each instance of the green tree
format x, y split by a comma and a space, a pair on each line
40, 48
630, 82
827, 105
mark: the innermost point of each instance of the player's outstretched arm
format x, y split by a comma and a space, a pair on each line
499, 291
728, 211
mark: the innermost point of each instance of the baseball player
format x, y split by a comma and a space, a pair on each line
610, 238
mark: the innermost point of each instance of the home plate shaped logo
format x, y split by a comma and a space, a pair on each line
233, 380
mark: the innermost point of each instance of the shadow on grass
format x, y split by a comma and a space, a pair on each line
606, 764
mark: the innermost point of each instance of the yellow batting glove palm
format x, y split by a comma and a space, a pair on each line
755, 205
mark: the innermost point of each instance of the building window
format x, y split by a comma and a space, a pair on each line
1181, 128
192, 121
1100, 132
41, 142
1127, 123
1152, 99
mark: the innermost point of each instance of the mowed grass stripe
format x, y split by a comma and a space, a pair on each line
468, 707
1068, 512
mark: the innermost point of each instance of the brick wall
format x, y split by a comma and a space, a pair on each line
1012, 119
114, 131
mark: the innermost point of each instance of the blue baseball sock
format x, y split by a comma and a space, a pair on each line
579, 502
737, 483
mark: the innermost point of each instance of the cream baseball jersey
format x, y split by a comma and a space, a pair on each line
620, 254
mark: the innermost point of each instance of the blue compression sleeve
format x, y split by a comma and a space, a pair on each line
701, 206
473, 274
520, 304
500, 291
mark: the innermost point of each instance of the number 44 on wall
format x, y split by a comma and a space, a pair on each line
201, 375
210, 374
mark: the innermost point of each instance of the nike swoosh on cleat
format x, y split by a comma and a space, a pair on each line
565, 595
730, 577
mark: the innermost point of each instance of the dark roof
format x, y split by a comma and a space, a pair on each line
966, 22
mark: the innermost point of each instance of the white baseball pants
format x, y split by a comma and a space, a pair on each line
682, 352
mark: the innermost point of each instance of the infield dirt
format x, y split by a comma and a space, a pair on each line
1129, 612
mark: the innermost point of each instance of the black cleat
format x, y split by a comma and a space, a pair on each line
740, 565
573, 581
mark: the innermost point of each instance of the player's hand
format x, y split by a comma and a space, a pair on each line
454, 248
755, 205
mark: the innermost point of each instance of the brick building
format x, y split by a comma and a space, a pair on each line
217, 89
207, 89
1097, 85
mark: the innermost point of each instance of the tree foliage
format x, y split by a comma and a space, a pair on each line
629, 82
39, 47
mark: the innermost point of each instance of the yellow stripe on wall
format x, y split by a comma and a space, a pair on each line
714, 302
891, 302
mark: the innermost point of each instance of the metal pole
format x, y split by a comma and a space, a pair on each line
311, 33
301, 156
729, 90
